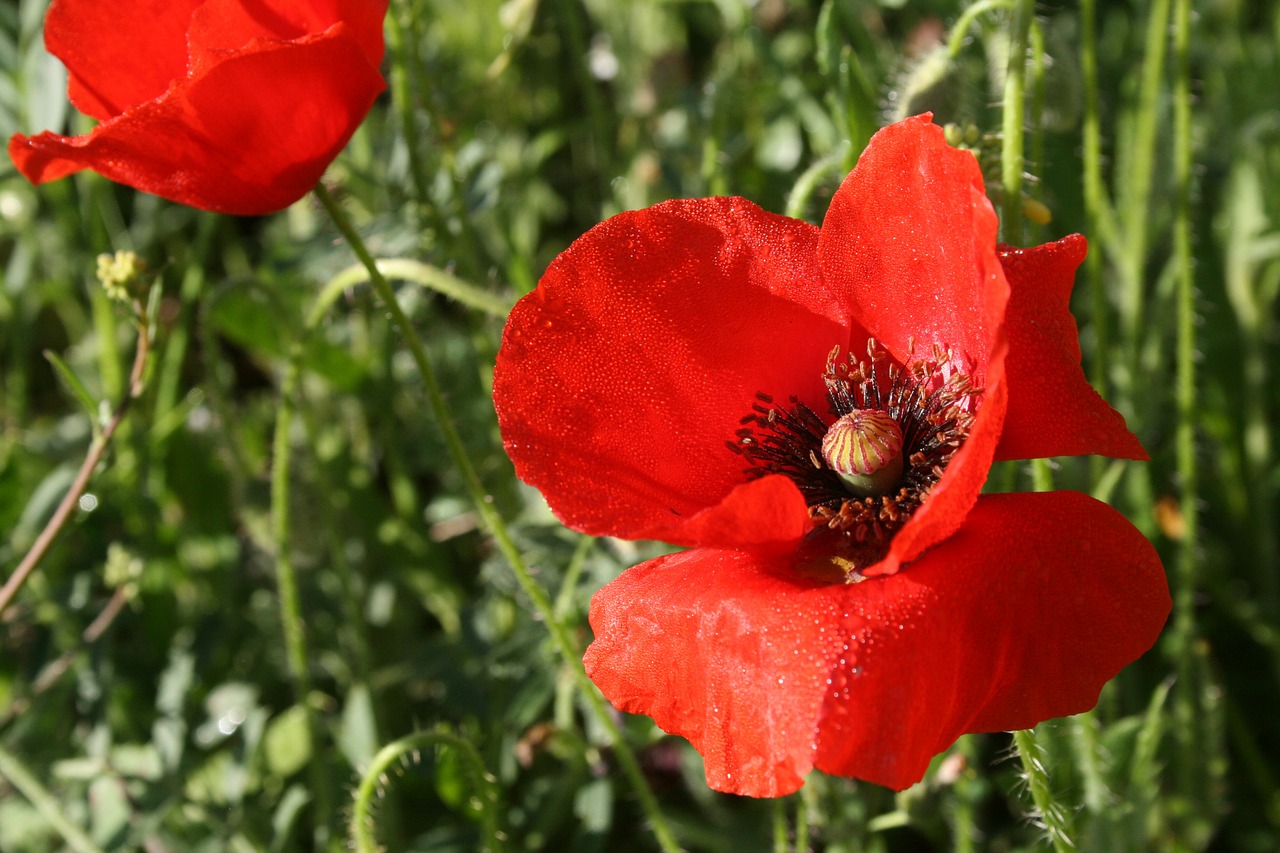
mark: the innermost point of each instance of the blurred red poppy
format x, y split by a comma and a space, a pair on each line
694, 373
235, 106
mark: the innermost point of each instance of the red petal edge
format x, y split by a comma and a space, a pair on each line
909, 244
210, 145
119, 53
624, 374
1053, 411
1014, 620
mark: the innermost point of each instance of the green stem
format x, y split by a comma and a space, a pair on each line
1014, 118
80, 482
1139, 176
1056, 821
47, 804
1084, 736
432, 278
486, 797
802, 191
1188, 708
803, 804
295, 640
960, 29
964, 830
402, 96
781, 844
496, 526
1094, 195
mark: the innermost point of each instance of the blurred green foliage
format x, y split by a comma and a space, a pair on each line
510, 128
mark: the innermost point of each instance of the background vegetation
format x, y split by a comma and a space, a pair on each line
150, 695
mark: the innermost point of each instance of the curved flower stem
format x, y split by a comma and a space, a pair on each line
1057, 823
485, 798
497, 527
802, 191
432, 278
960, 29
81, 481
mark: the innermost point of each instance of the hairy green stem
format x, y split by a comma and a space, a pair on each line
1138, 179
1095, 204
485, 798
295, 640
1188, 702
1057, 823
1014, 119
496, 526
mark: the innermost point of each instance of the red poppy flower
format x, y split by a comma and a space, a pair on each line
236, 106
813, 412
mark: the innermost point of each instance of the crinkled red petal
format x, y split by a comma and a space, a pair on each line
118, 53
767, 514
623, 375
910, 243
1014, 620
219, 26
250, 136
1053, 411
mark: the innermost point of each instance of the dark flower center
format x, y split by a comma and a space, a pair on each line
896, 428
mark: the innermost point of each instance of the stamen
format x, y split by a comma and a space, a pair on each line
896, 424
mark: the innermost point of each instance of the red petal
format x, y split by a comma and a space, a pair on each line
1053, 411
718, 649
622, 377
1014, 620
223, 25
250, 136
950, 501
909, 244
119, 52
768, 514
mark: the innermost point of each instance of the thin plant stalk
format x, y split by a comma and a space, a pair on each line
1014, 117
1095, 205
497, 527
1140, 175
295, 639
375, 777
71, 499
1057, 824
1187, 702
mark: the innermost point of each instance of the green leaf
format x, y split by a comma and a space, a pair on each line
287, 744
76, 387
